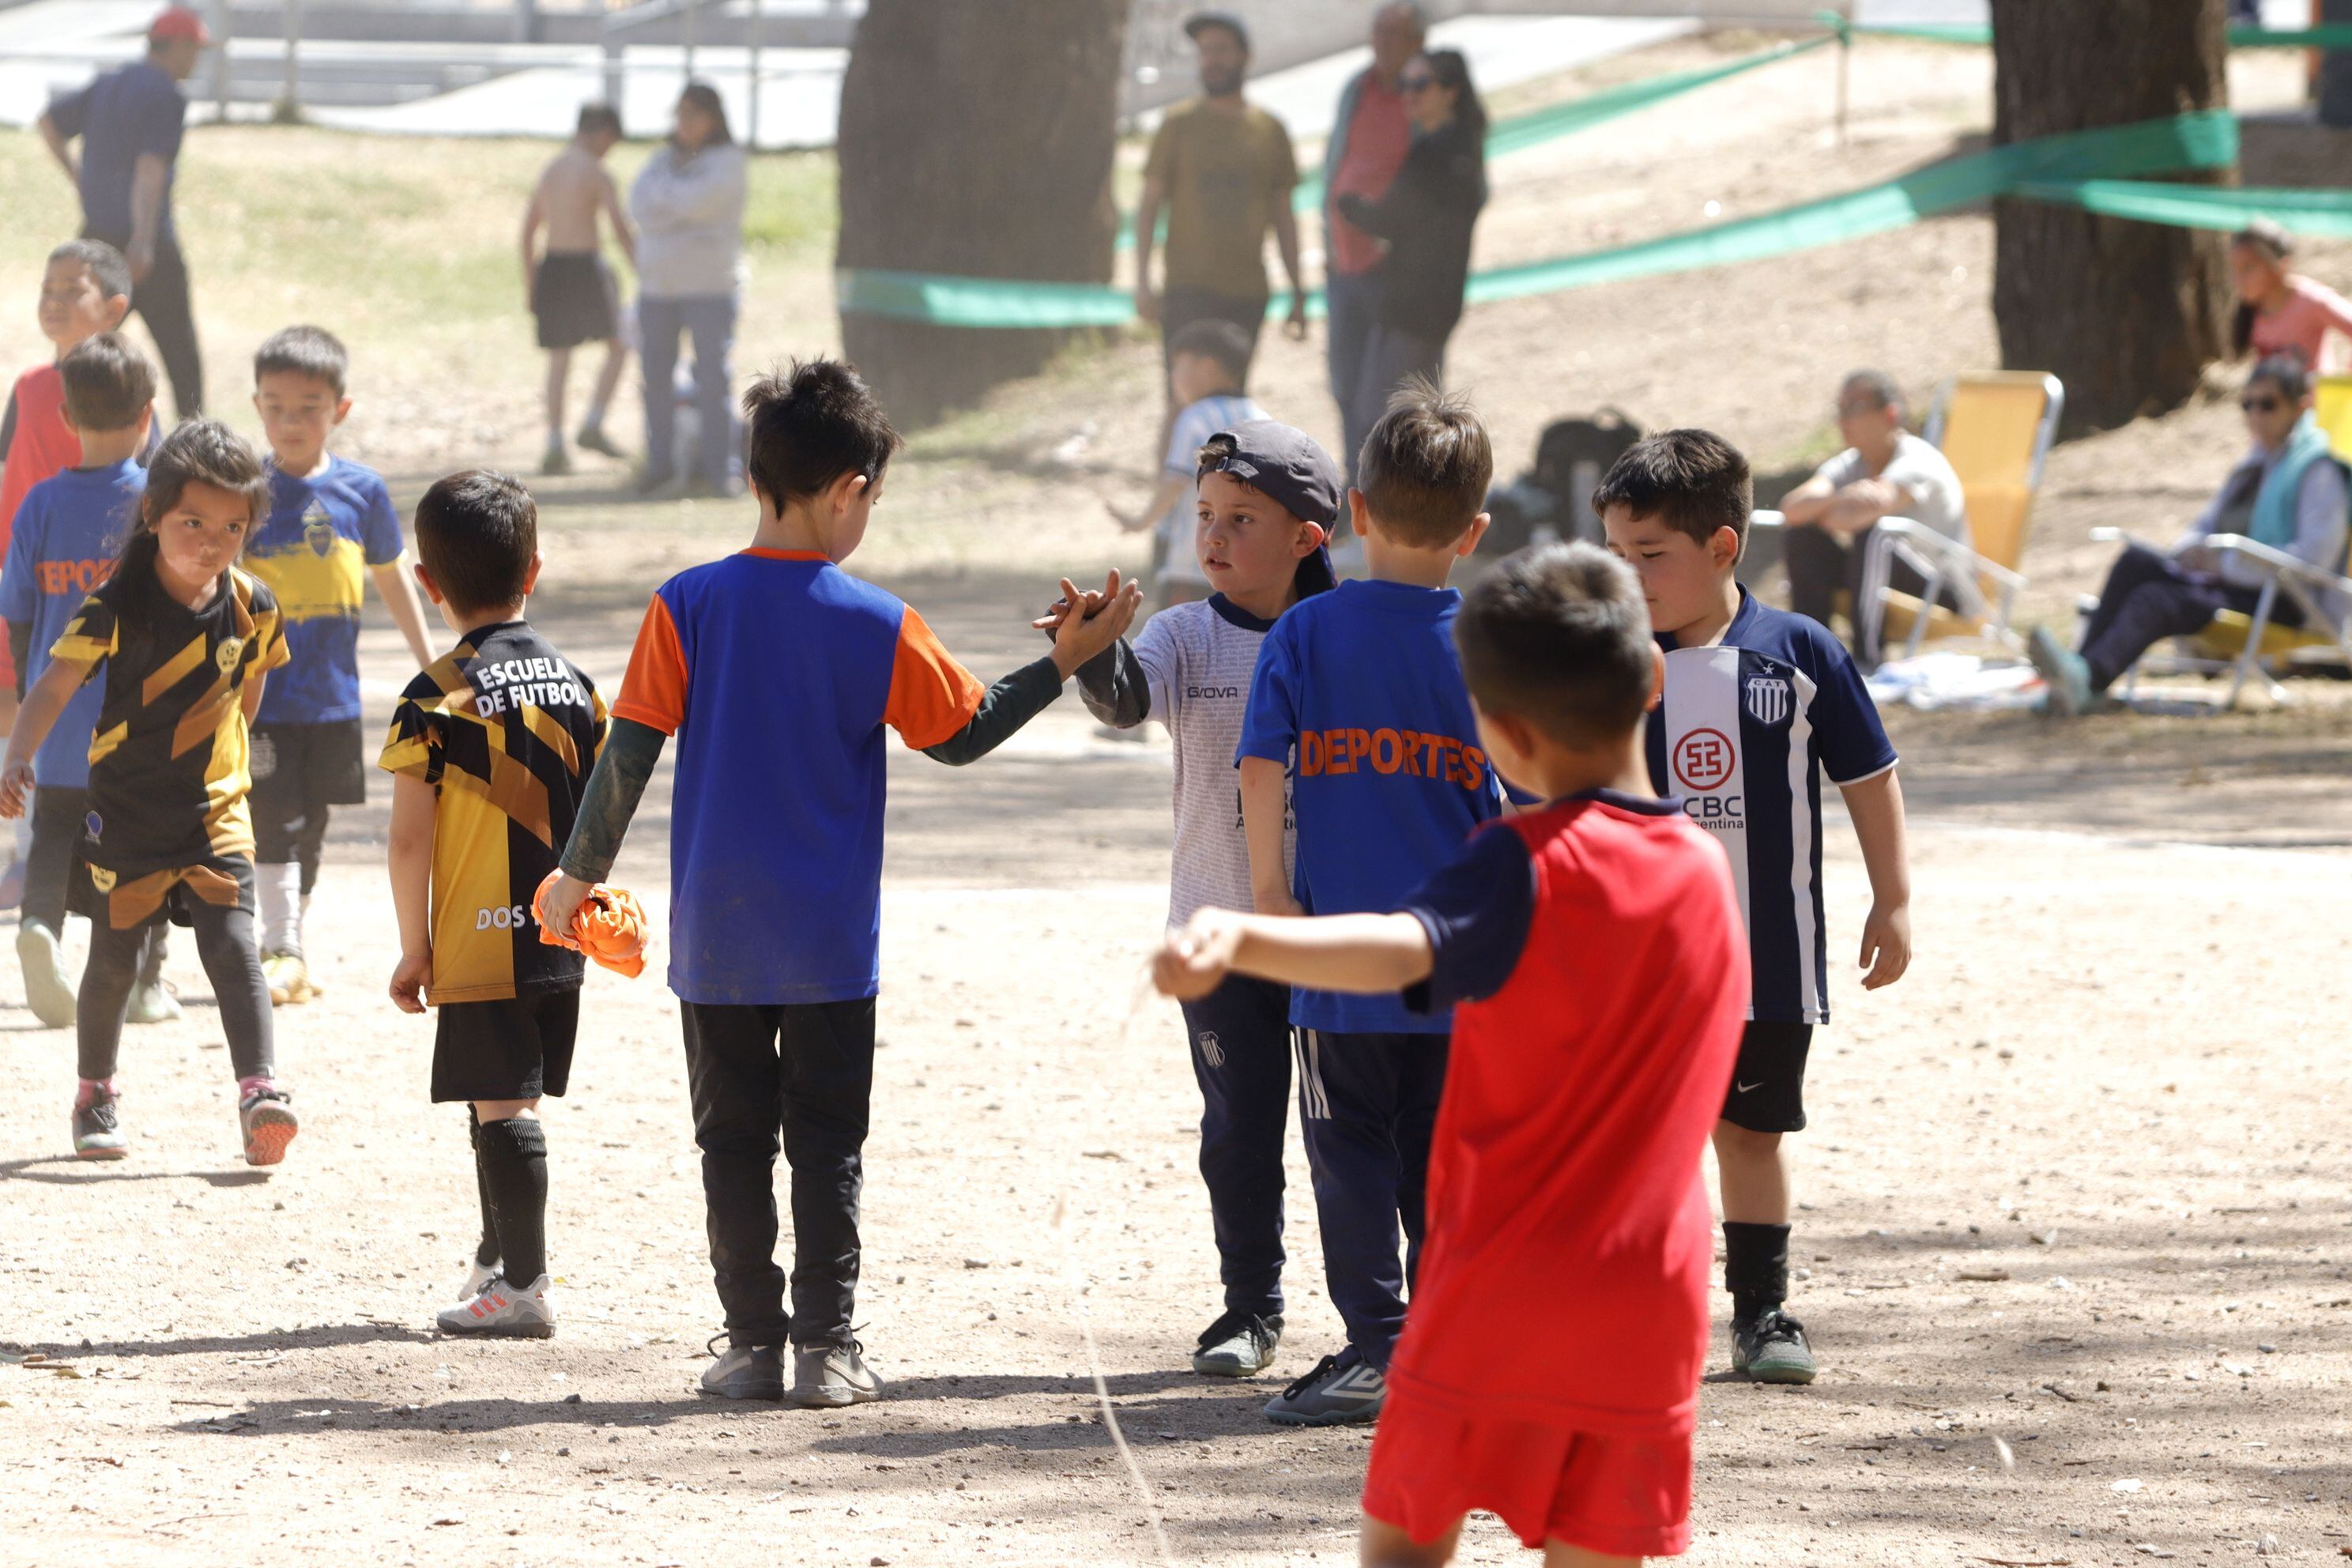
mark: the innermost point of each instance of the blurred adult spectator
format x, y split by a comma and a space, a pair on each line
1423, 221
2289, 492
2280, 310
687, 203
1223, 170
1368, 140
129, 121
1884, 471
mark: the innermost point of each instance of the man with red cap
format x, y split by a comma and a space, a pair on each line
129, 123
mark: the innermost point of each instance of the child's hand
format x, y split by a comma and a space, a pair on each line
1060, 610
1080, 637
562, 902
409, 980
15, 789
1885, 944
1193, 961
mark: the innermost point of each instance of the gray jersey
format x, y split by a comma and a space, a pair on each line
1197, 661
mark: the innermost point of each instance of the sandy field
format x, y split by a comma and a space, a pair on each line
2073, 1230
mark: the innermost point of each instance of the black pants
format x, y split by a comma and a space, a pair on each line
1241, 1057
2149, 596
1368, 1104
1821, 563
162, 302
58, 812
1180, 308
799, 1078
225, 945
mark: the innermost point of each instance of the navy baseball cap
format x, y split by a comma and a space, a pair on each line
1200, 21
1290, 467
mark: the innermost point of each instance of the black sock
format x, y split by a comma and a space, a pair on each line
514, 1164
485, 1251
1755, 1268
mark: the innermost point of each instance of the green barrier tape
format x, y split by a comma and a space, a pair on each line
2206, 139
2329, 35
2318, 213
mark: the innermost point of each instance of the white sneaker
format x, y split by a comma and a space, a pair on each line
477, 1279
49, 990
498, 1311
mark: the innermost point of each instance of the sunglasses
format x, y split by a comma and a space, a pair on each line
1413, 82
2259, 405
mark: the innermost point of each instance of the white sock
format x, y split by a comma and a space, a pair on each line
281, 927
302, 916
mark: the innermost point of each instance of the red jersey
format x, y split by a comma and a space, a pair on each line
1376, 140
1595, 952
40, 444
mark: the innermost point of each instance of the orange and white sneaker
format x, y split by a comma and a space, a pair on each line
502, 1311
266, 1116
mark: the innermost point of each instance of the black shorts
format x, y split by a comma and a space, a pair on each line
572, 298
518, 1049
1768, 1086
298, 767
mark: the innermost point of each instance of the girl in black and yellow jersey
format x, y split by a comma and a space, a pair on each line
184, 640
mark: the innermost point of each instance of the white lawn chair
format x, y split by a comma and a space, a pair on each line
2246, 646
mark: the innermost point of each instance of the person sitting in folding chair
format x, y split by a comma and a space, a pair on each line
1884, 471
2289, 493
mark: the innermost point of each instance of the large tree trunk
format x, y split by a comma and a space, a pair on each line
2126, 314
975, 140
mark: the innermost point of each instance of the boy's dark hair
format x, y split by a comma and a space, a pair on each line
106, 264
1222, 342
313, 352
2286, 370
810, 423
1877, 385
599, 117
199, 452
1426, 467
107, 383
1694, 480
1559, 636
477, 531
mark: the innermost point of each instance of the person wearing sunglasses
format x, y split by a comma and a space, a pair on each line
2290, 492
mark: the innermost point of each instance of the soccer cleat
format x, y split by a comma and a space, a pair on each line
48, 991
152, 1002
288, 979
477, 1276
1344, 1390
591, 439
1239, 1345
2063, 672
501, 1311
827, 1376
1771, 1348
746, 1372
266, 1119
97, 1126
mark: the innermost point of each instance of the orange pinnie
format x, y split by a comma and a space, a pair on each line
609, 927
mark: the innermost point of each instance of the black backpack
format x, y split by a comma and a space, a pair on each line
1556, 494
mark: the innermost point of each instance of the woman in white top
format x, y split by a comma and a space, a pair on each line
687, 203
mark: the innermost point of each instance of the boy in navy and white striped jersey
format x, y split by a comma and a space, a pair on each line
1758, 704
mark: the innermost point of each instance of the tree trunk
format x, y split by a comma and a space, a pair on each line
2126, 314
979, 145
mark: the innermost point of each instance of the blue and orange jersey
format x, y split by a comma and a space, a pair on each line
66, 536
777, 673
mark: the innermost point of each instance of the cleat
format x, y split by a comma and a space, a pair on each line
288, 979
477, 1276
1771, 1349
1344, 1390
97, 1128
827, 1376
48, 991
266, 1119
1239, 1345
746, 1372
499, 1311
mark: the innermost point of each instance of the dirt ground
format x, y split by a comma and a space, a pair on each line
2072, 1223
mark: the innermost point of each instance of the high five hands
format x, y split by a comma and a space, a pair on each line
1085, 621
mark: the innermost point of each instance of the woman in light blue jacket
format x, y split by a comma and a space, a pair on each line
687, 203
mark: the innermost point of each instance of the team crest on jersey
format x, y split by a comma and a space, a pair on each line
225, 657
1768, 699
101, 879
318, 532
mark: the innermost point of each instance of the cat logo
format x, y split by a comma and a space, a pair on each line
101, 879
225, 656
318, 532
1768, 699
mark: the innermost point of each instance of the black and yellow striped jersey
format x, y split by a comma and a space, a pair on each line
168, 771
504, 729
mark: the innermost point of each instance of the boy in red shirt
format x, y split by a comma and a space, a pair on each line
1593, 952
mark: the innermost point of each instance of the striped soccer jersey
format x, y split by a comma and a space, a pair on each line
1747, 729
506, 731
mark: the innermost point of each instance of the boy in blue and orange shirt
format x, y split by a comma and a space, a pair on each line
778, 673
1362, 687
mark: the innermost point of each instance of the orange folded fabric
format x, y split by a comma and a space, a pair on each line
609, 927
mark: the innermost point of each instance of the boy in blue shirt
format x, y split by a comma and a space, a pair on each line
330, 525
68, 533
1758, 704
1358, 693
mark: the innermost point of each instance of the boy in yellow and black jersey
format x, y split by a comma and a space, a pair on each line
491, 750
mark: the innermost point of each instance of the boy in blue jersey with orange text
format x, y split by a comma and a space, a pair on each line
778, 672
330, 526
1359, 699
1758, 704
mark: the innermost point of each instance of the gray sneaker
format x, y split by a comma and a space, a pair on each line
826, 1376
746, 1372
47, 989
1239, 1345
1771, 1349
1344, 1390
2063, 670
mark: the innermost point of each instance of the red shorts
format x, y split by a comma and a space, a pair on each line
1617, 1496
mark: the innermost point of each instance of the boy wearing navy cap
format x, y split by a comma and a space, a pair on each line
1358, 700
1267, 497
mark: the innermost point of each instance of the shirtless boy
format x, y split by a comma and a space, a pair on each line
570, 288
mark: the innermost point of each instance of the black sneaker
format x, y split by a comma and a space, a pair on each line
1239, 1345
1344, 1390
744, 1371
97, 1128
1771, 1348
